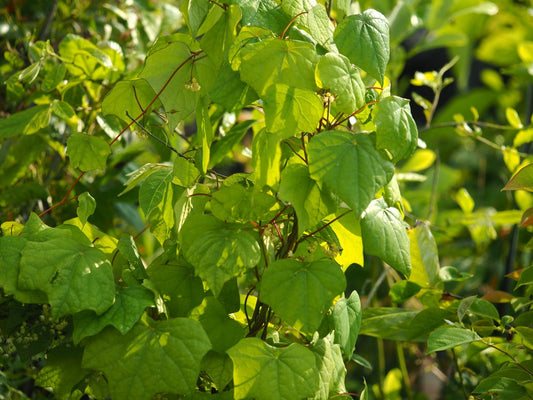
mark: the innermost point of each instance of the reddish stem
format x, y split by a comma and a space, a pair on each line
290, 23
64, 200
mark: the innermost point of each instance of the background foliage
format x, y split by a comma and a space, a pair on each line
79, 199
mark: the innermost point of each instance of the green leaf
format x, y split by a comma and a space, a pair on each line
178, 287
385, 236
87, 152
218, 251
135, 177
185, 172
20, 123
395, 127
513, 118
425, 268
314, 17
223, 332
53, 77
129, 98
503, 388
153, 357
74, 276
310, 202
235, 203
128, 308
263, 13
170, 66
62, 371
155, 189
387, 322
335, 73
526, 277
450, 337
331, 369
290, 110
204, 131
301, 292
30, 73
65, 111
11, 248
521, 180
350, 165
264, 372
86, 206
219, 367
403, 290
217, 40
346, 317
128, 249
266, 157
276, 61
364, 39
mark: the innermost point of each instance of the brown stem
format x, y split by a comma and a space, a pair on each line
290, 23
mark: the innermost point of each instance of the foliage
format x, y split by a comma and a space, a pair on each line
193, 201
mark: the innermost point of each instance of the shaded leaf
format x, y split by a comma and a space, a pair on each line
87, 152
521, 180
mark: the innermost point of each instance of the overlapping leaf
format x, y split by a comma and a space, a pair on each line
350, 165
346, 318
336, 73
310, 202
218, 251
277, 61
153, 357
264, 372
87, 152
301, 292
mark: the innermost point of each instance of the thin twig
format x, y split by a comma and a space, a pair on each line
290, 23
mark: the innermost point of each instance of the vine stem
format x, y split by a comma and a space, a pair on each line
513, 358
290, 23
356, 112
191, 57
325, 226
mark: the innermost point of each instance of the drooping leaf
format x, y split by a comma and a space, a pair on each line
153, 357
75, 277
346, 317
204, 131
185, 172
290, 110
301, 292
331, 369
128, 308
385, 236
86, 206
218, 251
309, 201
336, 73
396, 129
155, 189
450, 337
264, 372
347, 228
87, 152
424, 256
276, 61
364, 39
350, 165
